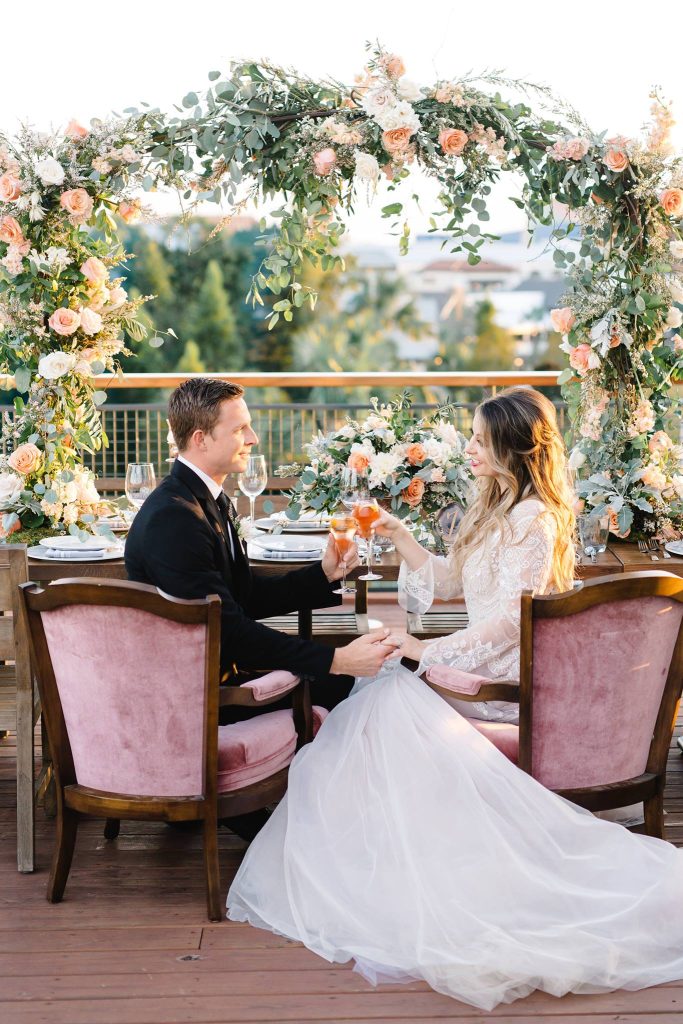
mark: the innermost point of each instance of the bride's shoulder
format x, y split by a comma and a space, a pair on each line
531, 513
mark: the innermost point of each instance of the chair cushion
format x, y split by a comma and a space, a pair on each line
502, 734
456, 680
274, 684
252, 750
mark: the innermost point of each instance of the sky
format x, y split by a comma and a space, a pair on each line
600, 57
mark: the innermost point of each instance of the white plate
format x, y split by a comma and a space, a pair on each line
259, 554
44, 555
291, 545
294, 525
70, 543
675, 547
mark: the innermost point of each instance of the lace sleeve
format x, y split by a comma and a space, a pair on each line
524, 563
417, 588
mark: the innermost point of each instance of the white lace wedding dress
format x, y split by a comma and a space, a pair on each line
408, 843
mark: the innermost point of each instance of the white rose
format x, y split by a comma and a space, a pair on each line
91, 322
55, 365
576, 459
676, 290
346, 431
382, 466
674, 318
86, 490
408, 90
50, 171
376, 101
677, 481
436, 451
367, 168
68, 492
676, 250
11, 486
448, 434
401, 115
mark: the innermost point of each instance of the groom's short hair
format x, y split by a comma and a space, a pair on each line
196, 405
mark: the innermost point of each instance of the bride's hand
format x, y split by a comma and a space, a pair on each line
405, 645
387, 525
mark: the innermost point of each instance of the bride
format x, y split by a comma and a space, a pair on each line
408, 843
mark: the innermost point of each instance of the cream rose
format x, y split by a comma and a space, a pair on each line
562, 319
78, 204
65, 321
675, 248
55, 364
409, 91
10, 188
91, 322
672, 201
50, 171
25, 459
453, 141
367, 167
324, 162
616, 160
117, 296
674, 318
10, 231
94, 270
11, 487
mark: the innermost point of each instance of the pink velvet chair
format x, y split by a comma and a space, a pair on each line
129, 681
600, 679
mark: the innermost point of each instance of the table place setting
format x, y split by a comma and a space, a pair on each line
308, 522
72, 549
289, 549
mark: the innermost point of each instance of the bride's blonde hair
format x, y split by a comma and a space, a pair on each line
525, 448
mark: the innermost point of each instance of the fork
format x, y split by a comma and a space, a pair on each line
654, 546
645, 550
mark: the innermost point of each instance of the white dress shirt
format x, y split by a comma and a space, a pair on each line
214, 488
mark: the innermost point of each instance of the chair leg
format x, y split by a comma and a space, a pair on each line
112, 827
213, 878
654, 816
67, 826
25, 784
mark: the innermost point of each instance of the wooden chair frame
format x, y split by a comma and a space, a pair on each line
74, 800
649, 786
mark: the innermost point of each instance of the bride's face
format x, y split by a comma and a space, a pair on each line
477, 451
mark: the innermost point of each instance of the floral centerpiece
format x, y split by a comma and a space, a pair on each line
414, 467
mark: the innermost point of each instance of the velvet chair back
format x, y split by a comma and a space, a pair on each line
598, 680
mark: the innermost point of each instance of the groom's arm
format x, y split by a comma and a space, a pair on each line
179, 556
307, 587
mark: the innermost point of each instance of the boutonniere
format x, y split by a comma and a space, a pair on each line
245, 529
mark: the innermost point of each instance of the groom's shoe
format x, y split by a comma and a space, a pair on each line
246, 826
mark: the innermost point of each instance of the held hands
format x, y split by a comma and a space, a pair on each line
404, 646
333, 565
364, 656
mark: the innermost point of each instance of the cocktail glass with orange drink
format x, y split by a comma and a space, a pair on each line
366, 513
343, 528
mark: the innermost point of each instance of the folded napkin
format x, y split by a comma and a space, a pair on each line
287, 556
74, 555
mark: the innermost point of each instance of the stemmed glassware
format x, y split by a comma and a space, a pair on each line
350, 482
140, 482
593, 531
343, 528
253, 480
366, 513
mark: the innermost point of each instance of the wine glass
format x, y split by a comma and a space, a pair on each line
140, 482
366, 513
253, 480
349, 486
343, 528
593, 532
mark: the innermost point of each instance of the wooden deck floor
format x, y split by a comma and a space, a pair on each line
130, 944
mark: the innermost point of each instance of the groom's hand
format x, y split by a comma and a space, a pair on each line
362, 657
334, 566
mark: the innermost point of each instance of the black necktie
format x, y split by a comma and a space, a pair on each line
227, 509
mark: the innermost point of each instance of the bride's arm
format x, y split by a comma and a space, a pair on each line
423, 575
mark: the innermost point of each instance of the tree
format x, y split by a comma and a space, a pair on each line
494, 347
213, 323
191, 359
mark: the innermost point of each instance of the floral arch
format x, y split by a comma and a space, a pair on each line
263, 131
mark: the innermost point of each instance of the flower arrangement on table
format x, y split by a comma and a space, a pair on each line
415, 467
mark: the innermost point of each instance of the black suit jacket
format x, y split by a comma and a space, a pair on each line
178, 542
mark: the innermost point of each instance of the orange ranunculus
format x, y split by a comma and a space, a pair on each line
358, 461
672, 201
415, 454
412, 494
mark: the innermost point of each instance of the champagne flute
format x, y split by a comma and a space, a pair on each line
343, 528
366, 513
140, 482
253, 480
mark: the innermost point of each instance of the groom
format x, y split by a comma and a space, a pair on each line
184, 541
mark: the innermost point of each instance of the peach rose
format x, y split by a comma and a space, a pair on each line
75, 131
10, 188
129, 212
660, 442
393, 65
91, 321
358, 461
578, 359
616, 160
14, 528
614, 525
453, 141
415, 454
64, 321
388, 171
325, 162
672, 201
117, 296
25, 458
94, 270
576, 149
562, 319
412, 494
396, 140
78, 204
10, 231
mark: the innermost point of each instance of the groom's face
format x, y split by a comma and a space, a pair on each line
229, 444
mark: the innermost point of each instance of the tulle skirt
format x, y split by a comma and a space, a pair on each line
408, 843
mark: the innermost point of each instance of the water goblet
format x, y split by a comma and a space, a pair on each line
253, 480
140, 482
349, 486
343, 528
593, 530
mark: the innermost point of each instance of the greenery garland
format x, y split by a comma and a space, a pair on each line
264, 132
